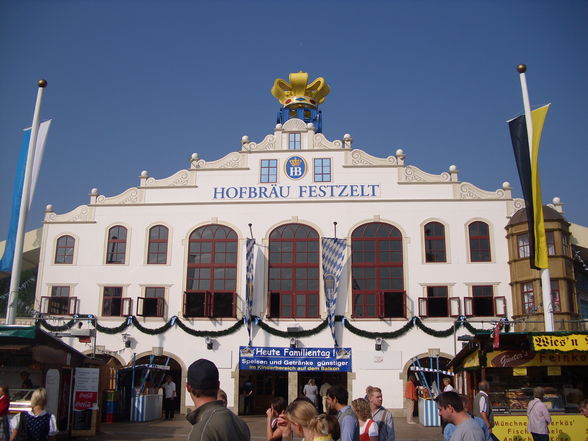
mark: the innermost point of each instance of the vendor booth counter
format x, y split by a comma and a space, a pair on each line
556, 361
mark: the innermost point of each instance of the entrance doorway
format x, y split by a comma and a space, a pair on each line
321, 378
434, 379
266, 386
157, 378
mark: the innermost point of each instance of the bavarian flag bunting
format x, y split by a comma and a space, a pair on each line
528, 168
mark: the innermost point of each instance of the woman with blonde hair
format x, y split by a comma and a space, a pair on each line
38, 424
368, 429
302, 419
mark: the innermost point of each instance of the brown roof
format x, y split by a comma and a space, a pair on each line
549, 214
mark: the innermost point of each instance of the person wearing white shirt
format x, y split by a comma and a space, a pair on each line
447, 387
169, 395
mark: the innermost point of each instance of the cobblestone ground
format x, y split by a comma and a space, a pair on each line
179, 428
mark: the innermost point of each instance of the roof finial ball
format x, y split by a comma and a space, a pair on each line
42, 83
522, 68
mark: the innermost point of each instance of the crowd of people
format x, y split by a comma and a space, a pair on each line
362, 419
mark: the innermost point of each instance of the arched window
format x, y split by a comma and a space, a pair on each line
117, 245
64, 250
435, 242
377, 271
479, 242
157, 252
294, 272
212, 273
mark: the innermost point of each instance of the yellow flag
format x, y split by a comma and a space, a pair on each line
541, 257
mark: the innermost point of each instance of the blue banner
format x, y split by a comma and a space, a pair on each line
8, 257
261, 358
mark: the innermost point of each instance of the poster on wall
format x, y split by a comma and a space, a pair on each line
295, 359
86, 389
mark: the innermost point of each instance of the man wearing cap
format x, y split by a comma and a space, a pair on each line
211, 420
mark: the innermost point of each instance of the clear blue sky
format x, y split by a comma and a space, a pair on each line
140, 85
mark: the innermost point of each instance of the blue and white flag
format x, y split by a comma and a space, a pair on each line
250, 246
333, 262
8, 257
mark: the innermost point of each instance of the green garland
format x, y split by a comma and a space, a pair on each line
434, 332
410, 324
391, 334
54, 328
196, 333
278, 333
150, 331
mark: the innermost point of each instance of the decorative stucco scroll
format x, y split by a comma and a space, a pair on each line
268, 143
320, 142
414, 174
131, 196
359, 158
466, 190
83, 213
232, 160
182, 178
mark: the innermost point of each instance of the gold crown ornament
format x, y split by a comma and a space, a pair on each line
295, 161
298, 92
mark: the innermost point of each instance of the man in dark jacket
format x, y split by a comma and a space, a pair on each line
211, 421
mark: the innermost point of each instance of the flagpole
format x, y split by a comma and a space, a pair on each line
545, 276
22, 217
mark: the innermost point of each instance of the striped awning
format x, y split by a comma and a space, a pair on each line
424, 369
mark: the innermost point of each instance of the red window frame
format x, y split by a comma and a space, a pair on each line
377, 254
479, 235
435, 250
116, 302
523, 245
206, 306
154, 300
480, 300
528, 297
59, 302
157, 247
555, 295
294, 268
434, 301
116, 249
64, 250
212, 252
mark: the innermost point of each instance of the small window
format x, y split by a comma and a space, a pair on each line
550, 237
483, 301
59, 303
435, 242
571, 296
157, 252
523, 245
65, 250
322, 170
117, 245
113, 303
565, 244
294, 141
555, 297
479, 242
152, 304
528, 297
437, 301
269, 171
